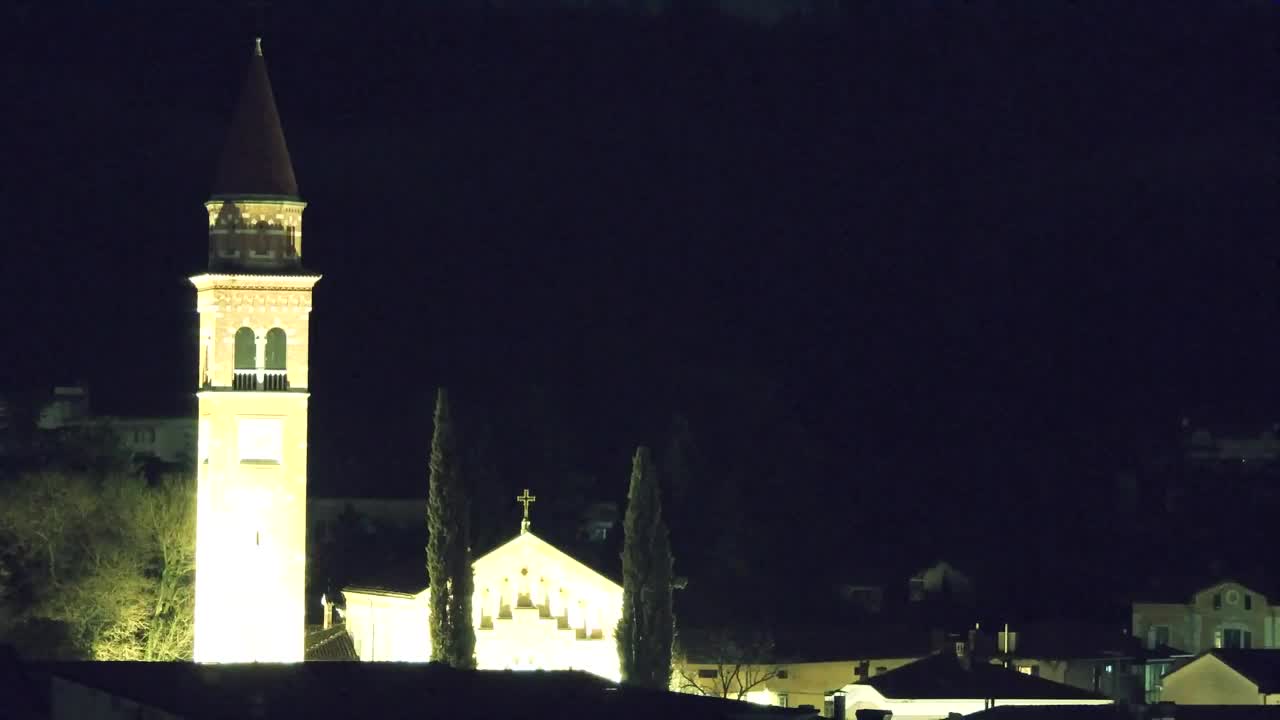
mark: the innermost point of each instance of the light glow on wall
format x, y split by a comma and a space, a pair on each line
555, 588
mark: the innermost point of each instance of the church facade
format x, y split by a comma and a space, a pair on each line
254, 303
534, 608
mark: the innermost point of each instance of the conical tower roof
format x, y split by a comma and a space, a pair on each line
255, 160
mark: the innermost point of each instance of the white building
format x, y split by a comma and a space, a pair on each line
534, 608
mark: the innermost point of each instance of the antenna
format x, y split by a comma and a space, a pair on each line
259, 8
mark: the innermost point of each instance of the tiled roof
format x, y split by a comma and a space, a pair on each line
328, 645
942, 676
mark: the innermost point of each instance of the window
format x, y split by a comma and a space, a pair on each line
881, 669
783, 700
261, 440
275, 349
246, 349
1248, 601
708, 673
1159, 635
1236, 638
1217, 601
782, 674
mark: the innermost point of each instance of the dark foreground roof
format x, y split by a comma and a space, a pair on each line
382, 690
943, 676
1261, 667
1118, 712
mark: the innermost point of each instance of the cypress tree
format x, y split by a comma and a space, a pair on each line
453, 639
647, 627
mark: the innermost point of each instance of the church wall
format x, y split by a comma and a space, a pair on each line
390, 628
534, 608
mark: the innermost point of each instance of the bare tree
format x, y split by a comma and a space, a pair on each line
726, 663
109, 561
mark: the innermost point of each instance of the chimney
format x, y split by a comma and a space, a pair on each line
837, 703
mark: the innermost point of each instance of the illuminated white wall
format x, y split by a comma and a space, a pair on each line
866, 697
251, 477
568, 626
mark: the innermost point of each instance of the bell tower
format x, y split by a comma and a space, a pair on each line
254, 304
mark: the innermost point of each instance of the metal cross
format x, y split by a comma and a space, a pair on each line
525, 499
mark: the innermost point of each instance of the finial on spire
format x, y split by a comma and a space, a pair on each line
524, 499
257, 46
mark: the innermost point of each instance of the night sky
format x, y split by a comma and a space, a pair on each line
917, 273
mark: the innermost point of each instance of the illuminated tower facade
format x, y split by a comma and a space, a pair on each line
254, 303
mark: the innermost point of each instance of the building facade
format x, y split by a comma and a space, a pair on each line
1224, 615
254, 304
534, 608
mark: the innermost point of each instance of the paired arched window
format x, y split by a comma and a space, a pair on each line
246, 349
265, 372
275, 359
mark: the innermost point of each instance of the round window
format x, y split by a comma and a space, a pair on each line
1233, 597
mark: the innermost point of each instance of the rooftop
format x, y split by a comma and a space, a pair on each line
942, 676
255, 160
1261, 667
382, 690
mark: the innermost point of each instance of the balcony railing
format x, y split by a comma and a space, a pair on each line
259, 379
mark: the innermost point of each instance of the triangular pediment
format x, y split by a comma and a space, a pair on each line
530, 551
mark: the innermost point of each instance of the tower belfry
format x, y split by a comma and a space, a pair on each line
254, 304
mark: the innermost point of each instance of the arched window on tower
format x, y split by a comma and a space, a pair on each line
246, 360
276, 377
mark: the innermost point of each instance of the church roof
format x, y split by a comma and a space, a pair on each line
530, 538
255, 160
407, 575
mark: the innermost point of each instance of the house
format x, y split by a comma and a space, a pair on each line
1096, 657
182, 691
1226, 677
952, 682
1226, 614
795, 667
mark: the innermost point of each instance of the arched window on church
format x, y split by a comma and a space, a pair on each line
246, 360
276, 377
